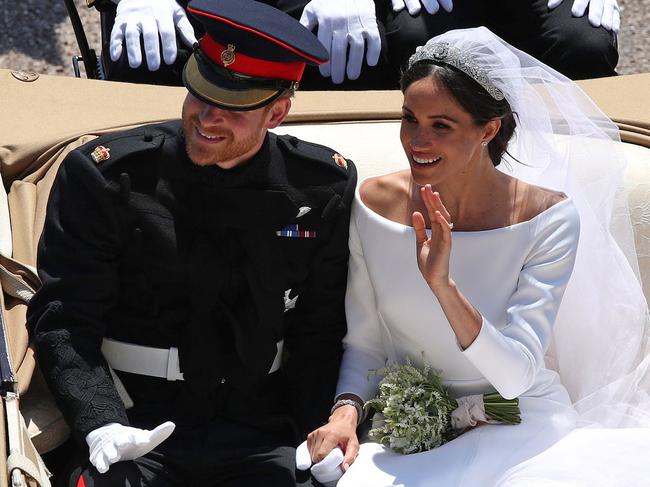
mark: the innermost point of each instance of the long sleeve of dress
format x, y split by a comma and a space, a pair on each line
363, 343
510, 356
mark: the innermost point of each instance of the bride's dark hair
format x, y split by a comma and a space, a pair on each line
472, 97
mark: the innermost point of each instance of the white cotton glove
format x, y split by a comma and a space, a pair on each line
431, 6
327, 471
151, 19
343, 23
601, 12
114, 443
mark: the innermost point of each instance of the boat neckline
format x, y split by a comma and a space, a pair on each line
458, 232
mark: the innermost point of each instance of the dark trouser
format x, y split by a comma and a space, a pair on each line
219, 454
381, 76
568, 44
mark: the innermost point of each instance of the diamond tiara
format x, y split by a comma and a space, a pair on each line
445, 53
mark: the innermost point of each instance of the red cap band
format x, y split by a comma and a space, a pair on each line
229, 58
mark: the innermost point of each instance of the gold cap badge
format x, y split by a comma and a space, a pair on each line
340, 161
228, 56
100, 153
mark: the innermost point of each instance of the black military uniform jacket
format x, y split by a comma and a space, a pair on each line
147, 248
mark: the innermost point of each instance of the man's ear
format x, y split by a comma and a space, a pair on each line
278, 111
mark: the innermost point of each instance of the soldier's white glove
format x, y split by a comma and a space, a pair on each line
327, 471
431, 6
601, 12
343, 23
114, 443
150, 19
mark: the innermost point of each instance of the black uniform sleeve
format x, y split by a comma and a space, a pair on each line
314, 339
78, 261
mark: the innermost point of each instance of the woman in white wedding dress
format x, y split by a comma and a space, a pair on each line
462, 261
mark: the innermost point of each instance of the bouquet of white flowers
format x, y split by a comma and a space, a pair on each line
416, 413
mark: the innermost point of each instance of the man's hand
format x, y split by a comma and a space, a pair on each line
150, 19
114, 442
332, 447
342, 24
431, 6
328, 471
601, 12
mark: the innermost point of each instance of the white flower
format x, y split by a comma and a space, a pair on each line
414, 409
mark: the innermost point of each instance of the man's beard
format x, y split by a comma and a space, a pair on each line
224, 151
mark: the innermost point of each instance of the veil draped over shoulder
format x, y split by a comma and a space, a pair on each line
564, 142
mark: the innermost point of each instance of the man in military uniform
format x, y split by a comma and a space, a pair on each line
197, 270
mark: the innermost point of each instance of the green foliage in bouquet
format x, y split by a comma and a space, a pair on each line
416, 409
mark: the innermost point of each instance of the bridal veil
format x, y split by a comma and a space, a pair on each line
600, 346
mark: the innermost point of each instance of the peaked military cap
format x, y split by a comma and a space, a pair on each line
250, 54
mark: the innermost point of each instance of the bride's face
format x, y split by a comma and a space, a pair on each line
439, 137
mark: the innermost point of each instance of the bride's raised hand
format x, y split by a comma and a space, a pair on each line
433, 252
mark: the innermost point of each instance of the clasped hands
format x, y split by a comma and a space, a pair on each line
115, 442
332, 448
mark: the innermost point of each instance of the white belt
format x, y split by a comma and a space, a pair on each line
155, 362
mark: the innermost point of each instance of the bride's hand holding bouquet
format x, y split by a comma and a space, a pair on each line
415, 412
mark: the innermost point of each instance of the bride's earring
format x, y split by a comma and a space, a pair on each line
484, 143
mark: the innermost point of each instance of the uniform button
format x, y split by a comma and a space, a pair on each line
223, 380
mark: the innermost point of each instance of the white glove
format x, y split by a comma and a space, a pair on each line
327, 471
342, 23
601, 12
431, 6
151, 18
114, 442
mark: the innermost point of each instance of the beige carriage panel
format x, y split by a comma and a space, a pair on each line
626, 100
39, 115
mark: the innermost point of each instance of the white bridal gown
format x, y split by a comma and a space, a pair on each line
515, 277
